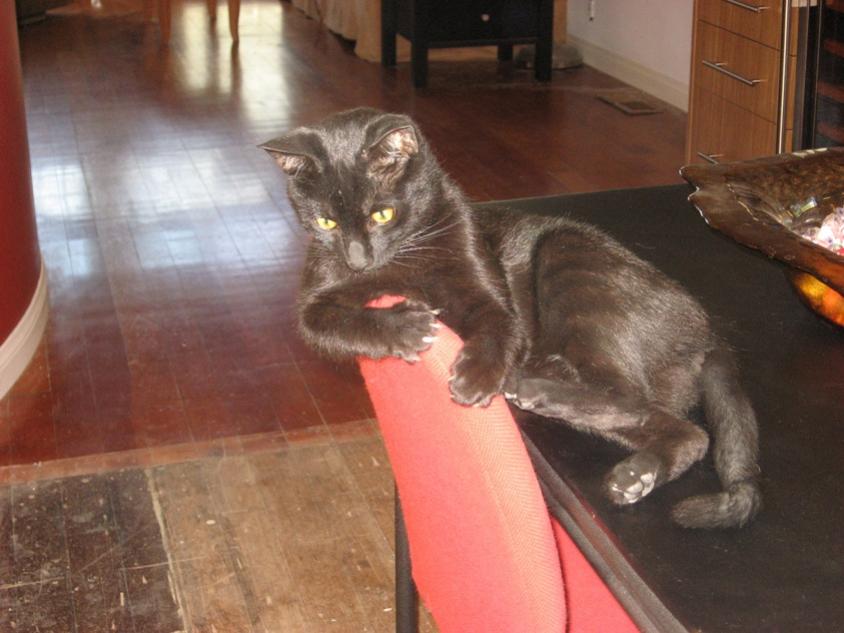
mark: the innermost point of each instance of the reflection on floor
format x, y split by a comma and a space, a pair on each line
172, 258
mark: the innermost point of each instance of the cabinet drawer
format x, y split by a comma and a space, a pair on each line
740, 70
471, 20
726, 132
758, 20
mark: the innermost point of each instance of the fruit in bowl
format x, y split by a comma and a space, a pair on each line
790, 207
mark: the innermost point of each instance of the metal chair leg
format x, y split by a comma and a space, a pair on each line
407, 598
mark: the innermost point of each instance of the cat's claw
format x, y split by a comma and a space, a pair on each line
527, 394
407, 329
527, 405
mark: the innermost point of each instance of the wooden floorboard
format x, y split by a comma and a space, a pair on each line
95, 561
38, 595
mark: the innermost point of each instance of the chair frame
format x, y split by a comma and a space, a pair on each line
407, 596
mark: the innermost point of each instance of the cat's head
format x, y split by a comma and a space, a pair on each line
357, 182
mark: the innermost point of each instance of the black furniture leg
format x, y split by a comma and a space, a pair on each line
419, 63
419, 44
544, 41
407, 599
388, 32
505, 52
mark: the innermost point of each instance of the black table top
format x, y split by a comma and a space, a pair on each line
783, 572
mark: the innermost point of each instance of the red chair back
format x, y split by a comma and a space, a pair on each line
481, 542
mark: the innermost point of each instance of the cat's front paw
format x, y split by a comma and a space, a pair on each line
408, 328
475, 379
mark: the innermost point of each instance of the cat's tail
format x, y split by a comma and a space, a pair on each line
736, 441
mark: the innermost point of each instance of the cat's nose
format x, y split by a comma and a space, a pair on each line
356, 256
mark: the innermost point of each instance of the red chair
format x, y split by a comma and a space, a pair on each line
484, 552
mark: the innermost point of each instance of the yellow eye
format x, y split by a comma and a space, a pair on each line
326, 224
382, 216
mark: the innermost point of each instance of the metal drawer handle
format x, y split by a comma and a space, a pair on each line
748, 6
721, 68
710, 158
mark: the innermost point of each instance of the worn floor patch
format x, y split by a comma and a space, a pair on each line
297, 539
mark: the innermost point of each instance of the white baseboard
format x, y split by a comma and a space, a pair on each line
18, 349
660, 86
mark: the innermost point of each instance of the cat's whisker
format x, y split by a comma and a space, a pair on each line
439, 221
418, 244
416, 256
430, 234
421, 251
422, 257
431, 231
414, 247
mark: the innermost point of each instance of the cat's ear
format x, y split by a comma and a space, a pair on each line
393, 140
291, 152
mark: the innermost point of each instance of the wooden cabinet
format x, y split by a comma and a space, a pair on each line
748, 19
735, 92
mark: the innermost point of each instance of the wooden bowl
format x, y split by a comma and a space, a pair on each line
760, 203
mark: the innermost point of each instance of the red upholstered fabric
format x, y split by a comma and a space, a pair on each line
481, 543
482, 546
591, 606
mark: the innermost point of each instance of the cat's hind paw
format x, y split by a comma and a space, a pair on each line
633, 479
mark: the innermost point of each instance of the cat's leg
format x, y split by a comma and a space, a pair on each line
664, 446
338, 324
492, 340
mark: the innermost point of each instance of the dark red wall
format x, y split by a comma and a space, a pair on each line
20, 260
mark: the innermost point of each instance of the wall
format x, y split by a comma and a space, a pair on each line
22, 297
646, 43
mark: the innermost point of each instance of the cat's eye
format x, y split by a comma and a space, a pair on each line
382, 216
326, 224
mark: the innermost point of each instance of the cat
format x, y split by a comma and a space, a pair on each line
554, 313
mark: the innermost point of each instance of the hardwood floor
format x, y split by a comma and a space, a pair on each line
288, 540
172, 254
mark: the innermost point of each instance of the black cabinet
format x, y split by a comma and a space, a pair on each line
452, 24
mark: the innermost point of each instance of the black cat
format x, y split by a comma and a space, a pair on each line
553, 313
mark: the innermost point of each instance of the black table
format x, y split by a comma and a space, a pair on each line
503, 23
783, 572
